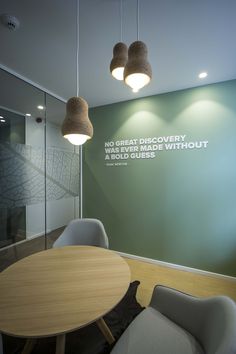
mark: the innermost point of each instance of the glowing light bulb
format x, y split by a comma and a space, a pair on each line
137, 81
118, 73
77, 139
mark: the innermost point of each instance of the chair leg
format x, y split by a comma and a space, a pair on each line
29, 345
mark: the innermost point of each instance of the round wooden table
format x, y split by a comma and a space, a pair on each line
60, 290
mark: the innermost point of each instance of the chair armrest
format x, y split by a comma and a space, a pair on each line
212, 321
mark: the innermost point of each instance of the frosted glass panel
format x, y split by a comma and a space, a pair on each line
62, 170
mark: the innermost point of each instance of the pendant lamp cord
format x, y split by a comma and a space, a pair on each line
121, 20
77, 48
137, 20
77, 94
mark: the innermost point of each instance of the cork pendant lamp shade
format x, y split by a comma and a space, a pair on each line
119, 60
132, 66
120, 53
76, 126
138, 71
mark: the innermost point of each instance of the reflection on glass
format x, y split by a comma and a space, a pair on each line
12, 209
21, 161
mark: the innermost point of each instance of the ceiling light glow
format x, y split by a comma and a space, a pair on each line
202, 75
40, 107
28, 114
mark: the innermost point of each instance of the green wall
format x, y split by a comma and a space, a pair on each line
180, 206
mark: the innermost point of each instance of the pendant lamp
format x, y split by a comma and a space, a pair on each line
120, 55
138, 71
76, 126
119, 60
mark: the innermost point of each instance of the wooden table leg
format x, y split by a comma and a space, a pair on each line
105, 330
29, 345
60, 344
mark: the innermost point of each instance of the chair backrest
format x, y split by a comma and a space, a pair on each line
210, 320
83, 232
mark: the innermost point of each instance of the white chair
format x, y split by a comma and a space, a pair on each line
83, 232
179, 323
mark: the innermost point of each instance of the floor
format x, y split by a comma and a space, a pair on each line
148, 274
196, 284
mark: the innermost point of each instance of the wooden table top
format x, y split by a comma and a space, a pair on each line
61, 289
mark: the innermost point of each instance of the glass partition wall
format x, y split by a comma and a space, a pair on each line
62, 172
39, 170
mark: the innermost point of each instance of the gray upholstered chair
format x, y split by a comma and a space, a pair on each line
177, 323
83, 232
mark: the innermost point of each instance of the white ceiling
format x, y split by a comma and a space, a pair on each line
184, 37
